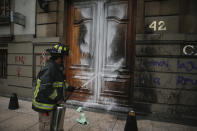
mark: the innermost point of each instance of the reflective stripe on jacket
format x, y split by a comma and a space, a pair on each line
49, 87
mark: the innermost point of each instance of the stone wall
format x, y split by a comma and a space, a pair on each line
165, 63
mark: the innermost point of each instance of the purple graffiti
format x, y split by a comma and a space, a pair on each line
157, 80
161, 63
181, 80
188, 66
145, 80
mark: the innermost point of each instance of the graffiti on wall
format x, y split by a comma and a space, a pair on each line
19, 60
18, 70
148, 78
43, 60
156, 80
156, 63
187, 65
182, 80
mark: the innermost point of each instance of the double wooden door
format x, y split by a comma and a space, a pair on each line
99, 36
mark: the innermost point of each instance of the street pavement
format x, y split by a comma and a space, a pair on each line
25, 119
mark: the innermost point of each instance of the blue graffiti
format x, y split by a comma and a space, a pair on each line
157, 80
188, 66
145, 80
184, 81
161, 63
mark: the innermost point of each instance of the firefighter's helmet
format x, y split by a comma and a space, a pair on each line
59, 49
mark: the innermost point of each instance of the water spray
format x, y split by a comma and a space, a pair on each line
85, 84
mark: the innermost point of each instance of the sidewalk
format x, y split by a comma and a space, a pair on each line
25, 119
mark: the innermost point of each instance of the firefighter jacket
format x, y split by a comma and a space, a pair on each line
49, 87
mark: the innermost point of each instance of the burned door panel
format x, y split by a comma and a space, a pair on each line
115, 43
115, 39
115, 77
83, 44
81, 62
117, 10
83, 33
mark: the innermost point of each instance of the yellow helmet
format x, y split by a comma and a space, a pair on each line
59, 49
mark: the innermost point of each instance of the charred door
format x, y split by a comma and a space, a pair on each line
100, 51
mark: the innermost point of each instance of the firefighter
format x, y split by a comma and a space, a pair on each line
49, 87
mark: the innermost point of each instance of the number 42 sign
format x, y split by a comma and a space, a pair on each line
158, 26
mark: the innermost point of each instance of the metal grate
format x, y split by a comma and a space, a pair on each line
4, 8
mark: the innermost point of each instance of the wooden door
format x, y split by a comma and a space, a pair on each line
100, 51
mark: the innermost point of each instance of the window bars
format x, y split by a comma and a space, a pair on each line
3, 63
4, 8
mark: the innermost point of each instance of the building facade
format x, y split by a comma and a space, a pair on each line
125, 53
